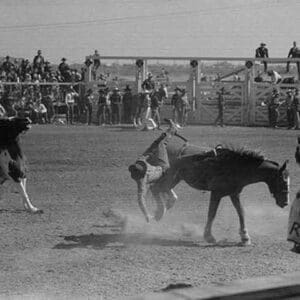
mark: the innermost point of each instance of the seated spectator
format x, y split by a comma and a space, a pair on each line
41, 112
64, 70
262, 52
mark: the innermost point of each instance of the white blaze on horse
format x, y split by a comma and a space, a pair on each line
222, 171
12, 159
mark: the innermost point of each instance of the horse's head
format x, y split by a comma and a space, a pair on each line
279, 185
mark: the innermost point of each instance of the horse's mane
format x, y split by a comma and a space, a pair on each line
239, 155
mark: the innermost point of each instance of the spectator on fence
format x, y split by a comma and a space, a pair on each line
116, 102
275, 77
296, 109
64, 70
47, 68
294, 53
70, 102
221, 106
25, 68
127, 103
262, 52
38, 63
289, 108
175, 103
148, 84
88, 102
96, 64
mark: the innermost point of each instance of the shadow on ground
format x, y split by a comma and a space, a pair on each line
119, 240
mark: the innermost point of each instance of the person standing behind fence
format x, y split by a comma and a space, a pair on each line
155, 107
262, 52
136, 109
296, 109
289, 109
273, 103
104, 109
127, 103
185, 108
294, 53
116, 102
175, 103
221, 106
70, 102
88, 103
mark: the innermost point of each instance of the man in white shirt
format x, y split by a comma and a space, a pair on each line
275, 77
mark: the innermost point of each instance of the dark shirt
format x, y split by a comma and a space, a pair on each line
175, 101
127, 99
148, 84
115, 98
102, 100
155, 101
261, 52
294, 52
38, 61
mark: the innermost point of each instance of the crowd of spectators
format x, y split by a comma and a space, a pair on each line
38, 92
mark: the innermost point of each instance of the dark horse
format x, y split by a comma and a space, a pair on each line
224, 172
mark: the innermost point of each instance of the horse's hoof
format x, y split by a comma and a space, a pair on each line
210, 239
245, 242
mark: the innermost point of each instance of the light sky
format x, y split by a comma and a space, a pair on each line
75, 28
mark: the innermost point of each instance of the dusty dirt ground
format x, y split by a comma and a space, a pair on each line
92, 239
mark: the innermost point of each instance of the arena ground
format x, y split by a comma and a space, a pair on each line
92, 239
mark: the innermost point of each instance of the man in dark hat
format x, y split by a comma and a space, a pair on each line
221, 106
262, 51
127, 104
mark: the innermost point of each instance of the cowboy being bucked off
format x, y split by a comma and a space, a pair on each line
157, 170
151, 167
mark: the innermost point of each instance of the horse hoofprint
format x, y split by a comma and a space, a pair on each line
12, 160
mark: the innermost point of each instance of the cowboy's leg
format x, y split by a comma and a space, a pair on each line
157, 151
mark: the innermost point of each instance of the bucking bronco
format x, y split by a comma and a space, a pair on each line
12, 160
222, 171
